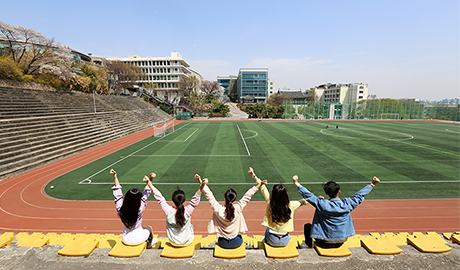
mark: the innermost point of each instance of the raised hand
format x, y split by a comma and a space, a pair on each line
251, 171
295, 180
113, 172
375, 180
152, 175
197, 177
146, 179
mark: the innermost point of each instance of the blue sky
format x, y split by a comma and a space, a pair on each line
402, 49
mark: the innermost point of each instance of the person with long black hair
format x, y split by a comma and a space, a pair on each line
178, 218
227, 220
130, 209
279, 214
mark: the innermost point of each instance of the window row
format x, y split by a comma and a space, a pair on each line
154, 63
160, 70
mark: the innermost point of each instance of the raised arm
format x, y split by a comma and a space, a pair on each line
202, 184
263, 189
148, 181
115, 178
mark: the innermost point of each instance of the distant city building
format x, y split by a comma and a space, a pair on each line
271, 87
229, 85
253, 82
166, 73
252, 85
342, 93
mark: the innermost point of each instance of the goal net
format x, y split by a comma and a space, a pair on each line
160, 130
389, 116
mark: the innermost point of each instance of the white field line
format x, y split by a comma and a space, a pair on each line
303, 183
411, 144
88, 178
249, 154
183, 140
257, 134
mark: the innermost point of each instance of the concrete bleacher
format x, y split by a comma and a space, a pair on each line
96, 251
39, 126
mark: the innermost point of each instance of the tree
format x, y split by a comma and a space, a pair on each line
189, 84
208, 87
124, 74
277, 99
312, 93
34, 53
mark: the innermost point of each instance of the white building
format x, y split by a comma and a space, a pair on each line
342, 93
271, 87
164, 74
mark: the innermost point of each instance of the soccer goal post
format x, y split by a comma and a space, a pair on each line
161, 129
389, 116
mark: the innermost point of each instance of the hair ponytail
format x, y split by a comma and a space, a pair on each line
178, 197
279, 204
230, 197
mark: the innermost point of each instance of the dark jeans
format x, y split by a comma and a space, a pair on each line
230, 243
319, 242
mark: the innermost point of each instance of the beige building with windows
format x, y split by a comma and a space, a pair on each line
342, 93
162, 75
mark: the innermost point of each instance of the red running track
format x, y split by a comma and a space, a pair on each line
25, 207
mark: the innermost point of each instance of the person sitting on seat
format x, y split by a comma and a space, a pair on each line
332, 223
279, 214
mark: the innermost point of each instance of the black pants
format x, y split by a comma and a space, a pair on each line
319, 243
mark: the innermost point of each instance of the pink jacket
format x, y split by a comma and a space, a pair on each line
218, 224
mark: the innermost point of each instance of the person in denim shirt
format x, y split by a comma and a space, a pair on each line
332, 223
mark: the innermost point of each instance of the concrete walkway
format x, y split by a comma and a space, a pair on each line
26, 258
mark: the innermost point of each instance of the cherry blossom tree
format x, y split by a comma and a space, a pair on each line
34, 53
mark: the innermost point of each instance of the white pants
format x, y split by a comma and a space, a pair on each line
135, 237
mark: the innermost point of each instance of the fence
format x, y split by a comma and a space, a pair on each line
372, 109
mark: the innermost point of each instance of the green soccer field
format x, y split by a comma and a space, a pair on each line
412, 159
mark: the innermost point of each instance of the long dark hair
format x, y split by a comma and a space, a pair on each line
279, 204
230, 196
129, 211
178, 198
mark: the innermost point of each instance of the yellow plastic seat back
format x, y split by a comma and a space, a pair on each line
233, 253
79, 247
288, 251
122, 250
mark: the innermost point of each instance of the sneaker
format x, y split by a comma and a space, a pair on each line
151, 243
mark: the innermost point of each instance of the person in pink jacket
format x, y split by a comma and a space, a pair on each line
178, 218
227, 220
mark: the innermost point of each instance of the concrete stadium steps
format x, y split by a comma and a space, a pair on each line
37, 127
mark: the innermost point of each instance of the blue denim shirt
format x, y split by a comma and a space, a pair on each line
332, 220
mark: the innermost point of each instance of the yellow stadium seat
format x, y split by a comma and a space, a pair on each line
455, 238
171, 251
333, 252
79, 247
6, 239
233, 253
447, 235
209, 240
108, 240
354, 241
33, 240
61, 239
288, 251
122, 250
379, 245
427, 243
